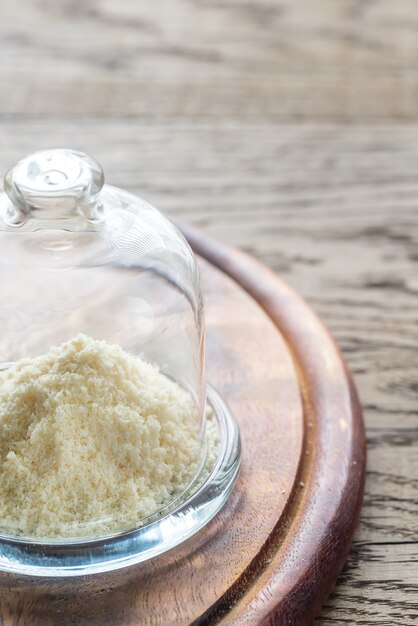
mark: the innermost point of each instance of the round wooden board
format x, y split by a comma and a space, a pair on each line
273, 553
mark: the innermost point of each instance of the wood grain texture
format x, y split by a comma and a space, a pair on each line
325, 60
247, 119
272, 554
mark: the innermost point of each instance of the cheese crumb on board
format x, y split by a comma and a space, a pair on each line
91, 435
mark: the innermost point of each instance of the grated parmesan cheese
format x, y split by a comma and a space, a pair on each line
90, 434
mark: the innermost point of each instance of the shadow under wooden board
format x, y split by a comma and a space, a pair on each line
273, 553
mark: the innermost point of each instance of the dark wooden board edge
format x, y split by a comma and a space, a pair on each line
289, 581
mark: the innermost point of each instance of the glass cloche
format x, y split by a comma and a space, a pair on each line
81, 256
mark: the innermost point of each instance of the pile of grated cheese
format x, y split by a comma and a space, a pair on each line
90, 434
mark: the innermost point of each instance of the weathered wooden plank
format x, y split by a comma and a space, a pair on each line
378, 586
288, 60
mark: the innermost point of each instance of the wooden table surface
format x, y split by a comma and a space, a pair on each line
288, 128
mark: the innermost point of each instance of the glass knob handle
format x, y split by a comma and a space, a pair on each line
54, 184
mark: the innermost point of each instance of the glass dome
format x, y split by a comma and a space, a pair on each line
80, 256
90, 258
